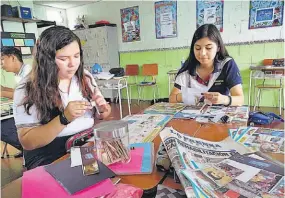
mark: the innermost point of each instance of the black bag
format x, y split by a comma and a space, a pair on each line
118, 72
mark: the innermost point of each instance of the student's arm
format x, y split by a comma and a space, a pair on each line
236, 94
175, 96
7, 92
37, 137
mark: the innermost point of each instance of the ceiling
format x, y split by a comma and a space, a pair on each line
64, 4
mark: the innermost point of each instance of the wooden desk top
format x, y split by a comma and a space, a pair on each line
266, 67
174, 71
212, 132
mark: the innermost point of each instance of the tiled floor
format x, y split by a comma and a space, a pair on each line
12, 168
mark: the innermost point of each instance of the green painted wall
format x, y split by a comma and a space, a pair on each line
244, 55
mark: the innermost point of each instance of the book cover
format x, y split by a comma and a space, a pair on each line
72, 178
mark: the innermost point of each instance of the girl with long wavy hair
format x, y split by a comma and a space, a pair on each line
208, 70
54, 102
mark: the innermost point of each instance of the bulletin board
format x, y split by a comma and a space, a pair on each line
23, 41
210, 12
264, 14
130, 23
165, 19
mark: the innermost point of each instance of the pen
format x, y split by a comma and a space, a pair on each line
93, 103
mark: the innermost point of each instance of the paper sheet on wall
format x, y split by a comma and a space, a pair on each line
166, 23
190, 96
210, 15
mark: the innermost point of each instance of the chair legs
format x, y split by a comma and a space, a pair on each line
140, 93
5, 151
279, 102
130, 91
153, 90
257, 99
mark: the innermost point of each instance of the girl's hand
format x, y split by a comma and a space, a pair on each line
216, 98
76, 109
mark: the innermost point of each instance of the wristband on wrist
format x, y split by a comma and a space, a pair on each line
230, 102
63, 120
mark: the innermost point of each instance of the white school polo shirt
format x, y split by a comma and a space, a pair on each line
23, 120
24, 71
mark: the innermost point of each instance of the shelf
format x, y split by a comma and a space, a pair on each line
40, 23
4, 18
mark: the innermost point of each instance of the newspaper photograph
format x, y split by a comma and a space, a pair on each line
259, 177
262, 139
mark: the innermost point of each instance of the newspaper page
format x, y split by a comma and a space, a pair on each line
209, 113
145, 127
239, 176
186, 152
164, 108
196, 153
264, 139
169, 142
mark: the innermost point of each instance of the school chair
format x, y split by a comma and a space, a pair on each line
132, 71
271, 75
149, 71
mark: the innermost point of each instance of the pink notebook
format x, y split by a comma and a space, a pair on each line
38, 183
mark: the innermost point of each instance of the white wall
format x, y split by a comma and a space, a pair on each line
42, 12
236, 15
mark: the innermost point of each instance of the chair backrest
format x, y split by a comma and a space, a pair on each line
132, 70
150, 69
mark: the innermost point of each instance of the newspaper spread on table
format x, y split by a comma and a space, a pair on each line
187, 152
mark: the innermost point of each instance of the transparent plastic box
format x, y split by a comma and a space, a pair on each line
112, 142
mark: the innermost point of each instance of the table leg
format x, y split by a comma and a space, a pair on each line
120, 102
249, 89
128, 98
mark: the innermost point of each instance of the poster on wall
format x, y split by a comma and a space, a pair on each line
210, 12
264, 14
130, 24
165, 19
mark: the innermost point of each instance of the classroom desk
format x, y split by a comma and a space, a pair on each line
171, 75
6, 109
212, 132
264, 73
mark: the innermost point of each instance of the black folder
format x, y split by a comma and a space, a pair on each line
72, 178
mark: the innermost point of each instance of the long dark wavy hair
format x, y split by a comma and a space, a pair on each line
210, 31
42, 85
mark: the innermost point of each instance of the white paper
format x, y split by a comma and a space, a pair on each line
190, 96
129, 26
191, 111
210, 15
75, 156
166, 23
104, 75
